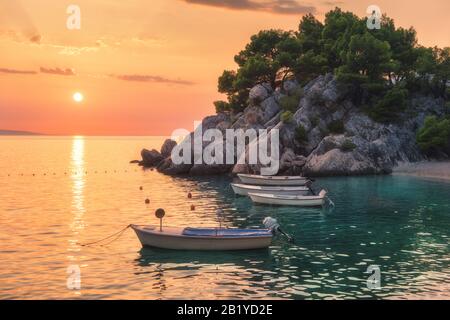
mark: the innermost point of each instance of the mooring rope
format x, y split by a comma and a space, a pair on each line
117, 234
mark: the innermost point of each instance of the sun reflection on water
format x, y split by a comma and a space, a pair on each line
77, 206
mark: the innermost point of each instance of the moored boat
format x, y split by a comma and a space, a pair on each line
244, 189
290, 200
272, 180
180, 238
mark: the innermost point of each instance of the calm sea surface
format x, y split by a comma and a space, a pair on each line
59, 192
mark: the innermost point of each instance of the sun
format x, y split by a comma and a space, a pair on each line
78, 97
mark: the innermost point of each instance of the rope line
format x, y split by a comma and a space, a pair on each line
117, 234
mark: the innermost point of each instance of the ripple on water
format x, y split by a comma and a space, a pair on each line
399, 223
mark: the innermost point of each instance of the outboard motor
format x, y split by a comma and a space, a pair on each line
272, 224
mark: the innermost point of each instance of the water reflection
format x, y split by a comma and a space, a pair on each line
77, 207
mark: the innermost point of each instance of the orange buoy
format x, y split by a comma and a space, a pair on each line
192, 207
147, 201
189, 195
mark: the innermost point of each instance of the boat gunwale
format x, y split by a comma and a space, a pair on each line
282, 178
286, 197
158, 233
269, 187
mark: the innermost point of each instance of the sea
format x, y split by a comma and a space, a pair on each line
386, 237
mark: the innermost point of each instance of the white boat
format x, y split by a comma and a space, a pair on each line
244, 189
288, 200
203, 238
272, 180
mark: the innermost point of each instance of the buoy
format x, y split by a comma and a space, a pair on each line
147, 201
192, 207
189, 195
140, 188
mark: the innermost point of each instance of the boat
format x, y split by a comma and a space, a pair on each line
180, 238
290, 200
272, 180
244, 189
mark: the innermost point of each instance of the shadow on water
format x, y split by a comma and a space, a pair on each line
149, 256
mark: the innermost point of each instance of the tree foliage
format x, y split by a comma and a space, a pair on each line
434, 136
379, 67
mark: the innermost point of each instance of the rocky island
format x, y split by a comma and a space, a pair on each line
347, 100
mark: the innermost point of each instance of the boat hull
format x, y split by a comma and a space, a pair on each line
306, 202
172, 238
272, 180
244, 190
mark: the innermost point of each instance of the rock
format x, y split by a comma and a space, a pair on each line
365, 146
167, 147
336, 162
270, 108
290, 160
150, 158
259, 93
212, 169
168, 167
289, 86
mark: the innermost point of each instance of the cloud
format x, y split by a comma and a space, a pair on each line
58, 71
16, 71
332, 3
14, 15
272, 6
151, 78
35, 38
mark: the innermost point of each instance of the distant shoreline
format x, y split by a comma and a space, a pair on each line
19, 133
426, 169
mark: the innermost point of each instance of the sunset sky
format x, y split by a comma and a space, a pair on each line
147, 67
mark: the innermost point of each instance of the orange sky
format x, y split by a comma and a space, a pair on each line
179, 46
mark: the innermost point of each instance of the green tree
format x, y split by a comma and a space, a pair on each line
287, 117
221, 106
338, 28
300, 134
389, 107
434, 136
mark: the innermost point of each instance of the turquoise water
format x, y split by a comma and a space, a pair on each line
398, 223
57, 193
